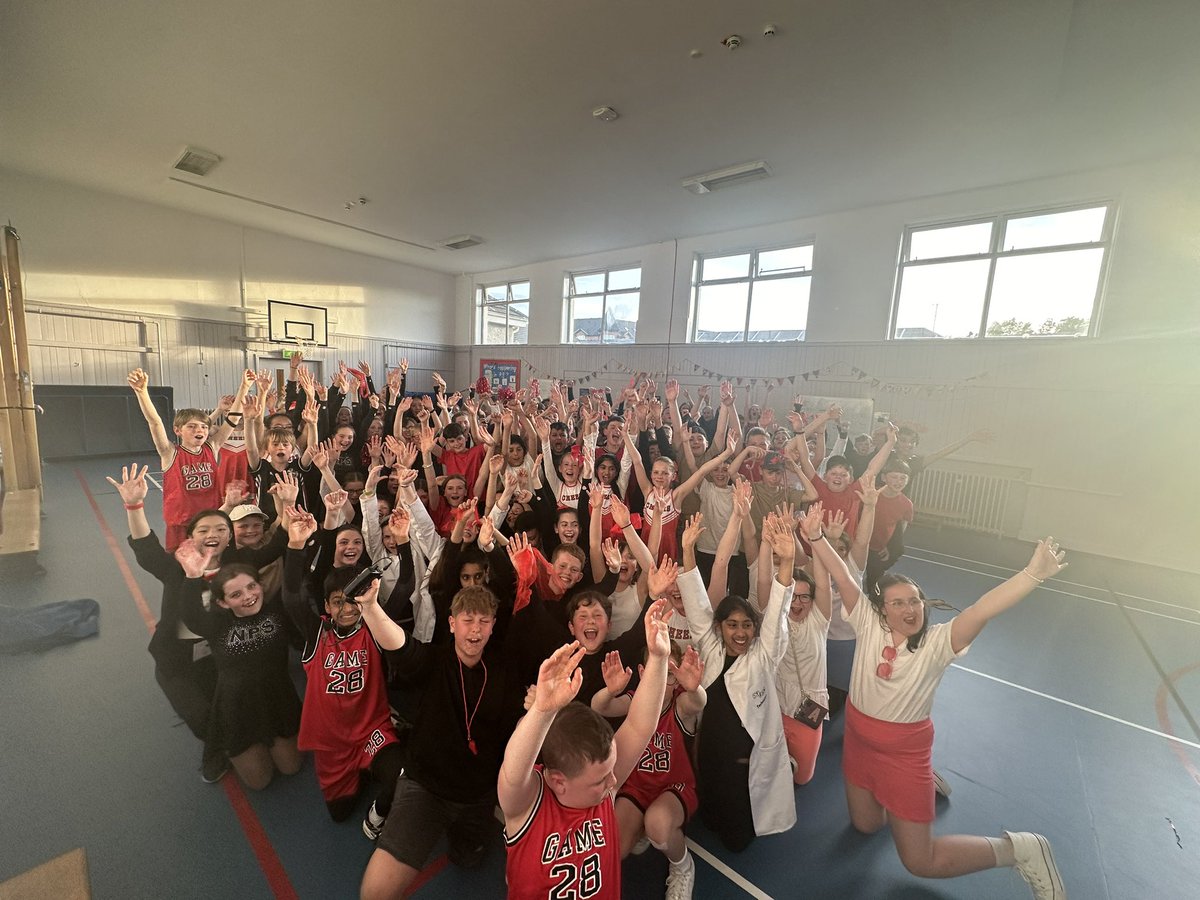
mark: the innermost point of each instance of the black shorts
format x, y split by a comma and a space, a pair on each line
419, 818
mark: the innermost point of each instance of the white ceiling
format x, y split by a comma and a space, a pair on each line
474, 116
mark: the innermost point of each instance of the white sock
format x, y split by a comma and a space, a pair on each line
1003, 849
682, 862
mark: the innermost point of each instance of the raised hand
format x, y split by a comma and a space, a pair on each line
495, 464
374, 475
319, 455
286, 489
767, 418
1047, 560
836, 526
542, 427
235, 492
194, 561
224, 405
690, 670
671, 390
612, 554
658, 638
375, 448
132, 486
796, 420
616, 674
559, 678
487, 531
518, 545
334, 500
370, 595
662, 577
400, 521
693, 530
138, 380
867, 491
620, 512
301, 526
251, 409
810, 524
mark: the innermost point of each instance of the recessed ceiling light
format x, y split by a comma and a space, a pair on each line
727, 177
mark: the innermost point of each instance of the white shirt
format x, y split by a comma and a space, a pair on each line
801, 671
717, 505
908, 695
839, 628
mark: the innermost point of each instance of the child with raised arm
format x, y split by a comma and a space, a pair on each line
190, 477
346, 720
660, 794
899, 661
559, 822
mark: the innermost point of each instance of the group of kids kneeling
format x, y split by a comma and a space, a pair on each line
600, 697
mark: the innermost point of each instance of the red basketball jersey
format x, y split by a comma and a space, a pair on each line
345, 700
664, 764
191, 484
564, 852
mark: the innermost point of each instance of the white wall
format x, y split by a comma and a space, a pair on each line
1100, 423
85, 248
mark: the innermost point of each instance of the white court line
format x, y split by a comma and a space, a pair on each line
150, 478
728, 872
1090, 587
1086, 709
1148, 612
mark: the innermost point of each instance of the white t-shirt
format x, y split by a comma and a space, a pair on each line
717, 505
839, 628
626, 610
908, 695
801, 671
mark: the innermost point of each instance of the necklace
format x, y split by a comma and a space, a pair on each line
470, 720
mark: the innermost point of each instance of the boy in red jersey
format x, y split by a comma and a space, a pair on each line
660, 794
346, 720
560, 826
191, 481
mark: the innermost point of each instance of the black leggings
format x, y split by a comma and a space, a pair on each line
385, 770
189, 689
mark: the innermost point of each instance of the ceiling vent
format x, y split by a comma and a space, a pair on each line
196, 162
462, 242
727, 177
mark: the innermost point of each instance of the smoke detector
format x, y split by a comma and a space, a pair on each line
462, 242
196, 162
727, 177
605, 114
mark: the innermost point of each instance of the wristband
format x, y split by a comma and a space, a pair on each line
134, 505
366, 495
819, 537
1034, 577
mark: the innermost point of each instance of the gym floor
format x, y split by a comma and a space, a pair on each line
1074, 715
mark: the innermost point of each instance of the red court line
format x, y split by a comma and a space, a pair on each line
268, 860
1164, 719
428, 873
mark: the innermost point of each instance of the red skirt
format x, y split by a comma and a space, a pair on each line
892, 760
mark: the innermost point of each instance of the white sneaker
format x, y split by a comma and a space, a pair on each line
1036, 864
373, 824
940, 784
641, 846
681, 878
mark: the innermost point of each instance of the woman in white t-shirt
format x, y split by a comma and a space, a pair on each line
898, 663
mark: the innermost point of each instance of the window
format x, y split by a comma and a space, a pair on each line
502, 313
758, 295
602, 306
1012, 275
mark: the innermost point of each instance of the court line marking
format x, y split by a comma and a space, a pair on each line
1148, 612
1087, 709
1090, 587
729, 873
260, 844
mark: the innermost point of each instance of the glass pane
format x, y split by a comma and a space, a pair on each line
518, 323
787, 260
585, 320
520, 290
497, 292
719, 267
779, 309
589, 284
494, 325
942, 300
955, 240
1078, 226
625, 279
1049, 293
620, 321
721, 312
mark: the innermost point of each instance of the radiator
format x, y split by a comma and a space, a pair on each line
987, 501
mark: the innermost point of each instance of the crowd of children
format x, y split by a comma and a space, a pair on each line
573, 622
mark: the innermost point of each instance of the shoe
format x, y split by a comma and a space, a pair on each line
373, 824
213, 766
795, 765
681, 878
641, 846
1036, 864
941, 785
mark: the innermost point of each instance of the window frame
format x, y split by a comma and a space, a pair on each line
995, 253
569, 299
482, 303
698, 282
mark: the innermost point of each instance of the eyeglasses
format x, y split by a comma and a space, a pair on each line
805, 598
912, 603
884, 669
